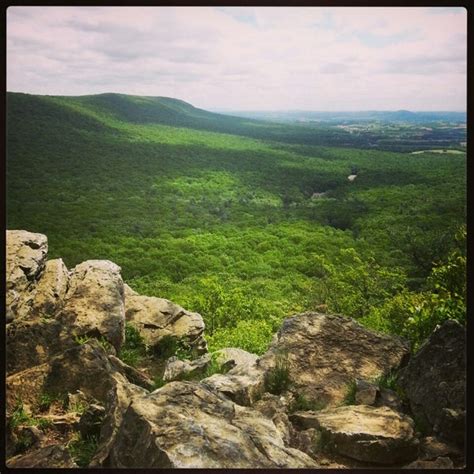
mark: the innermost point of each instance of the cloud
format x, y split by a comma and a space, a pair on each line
316, 58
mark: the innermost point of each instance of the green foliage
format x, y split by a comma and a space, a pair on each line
277, 379
19, 416
82, 449
45, 401
214, 367
158, 382
414, 315
252, 336
301, 403
357, 285
105, 344
23, 443
216, 213
134, 349
388, 380
81, 339
78, 407
350, 396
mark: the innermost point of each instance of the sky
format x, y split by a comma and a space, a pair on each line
245, 58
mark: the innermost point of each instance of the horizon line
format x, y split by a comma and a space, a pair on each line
225, 109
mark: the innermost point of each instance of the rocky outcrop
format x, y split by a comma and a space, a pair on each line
186, 425
68, 383
53, 456
243, 384
435, 383
51, 289
34, 342
326, 353
231, 357
158, 318
25, 260
94, 303
376, 435
177, 369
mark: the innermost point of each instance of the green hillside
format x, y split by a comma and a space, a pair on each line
219, 213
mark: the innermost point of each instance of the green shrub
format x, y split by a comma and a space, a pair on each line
251, 336
301, 403
133, 350
82, 449
350, 396
19, 415
277, 379
45, 401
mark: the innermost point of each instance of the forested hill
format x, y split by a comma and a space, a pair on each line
391, 131
245, 222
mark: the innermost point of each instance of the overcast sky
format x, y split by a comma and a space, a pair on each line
245, 58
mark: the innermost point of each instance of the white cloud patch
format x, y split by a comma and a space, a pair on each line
245, 57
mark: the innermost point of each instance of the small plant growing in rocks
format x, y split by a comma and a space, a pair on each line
277, 379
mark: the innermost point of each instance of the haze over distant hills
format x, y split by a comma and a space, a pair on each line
353, 116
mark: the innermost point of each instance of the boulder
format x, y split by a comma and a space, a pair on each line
389, 398
94, 302
243, 384
438, 463
177, 369
434, 381
185, 425
230, 357
156, 318
33, 342
117, 401
51, 289
25, 259
52, 456
432, 448
132, 374
326, 353
91, 420
365, 433
275, 408
366, 393
27, 386
84, 367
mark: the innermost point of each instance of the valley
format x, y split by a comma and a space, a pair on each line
215, 212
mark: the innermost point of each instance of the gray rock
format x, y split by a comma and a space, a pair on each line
185, 425
325, 353
52, 456
51, 289
91, 420
366, 393
242, 384
231, 357
132, 374
34, 342
156, 318
388, 398
118, 400
435, 382
438, 463
365, 433
177, 369
25, 260
94, 302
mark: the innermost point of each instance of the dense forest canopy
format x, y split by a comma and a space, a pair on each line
247, 221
